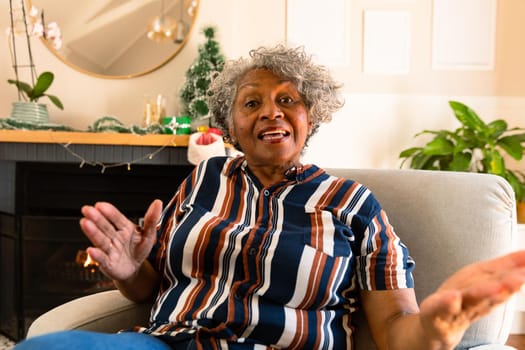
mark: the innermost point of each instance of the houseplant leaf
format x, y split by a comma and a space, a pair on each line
43, 82
520, 137
423, 161
468, 117
439, 146
497, 164
497, 128
56, 101
460, 162
512, 145
20, 85
409, 152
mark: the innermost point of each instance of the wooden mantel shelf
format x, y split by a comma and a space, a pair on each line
92, 147
92, 138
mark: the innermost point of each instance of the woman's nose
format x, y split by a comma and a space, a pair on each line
271, 111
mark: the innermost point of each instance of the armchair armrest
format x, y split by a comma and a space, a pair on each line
106, 312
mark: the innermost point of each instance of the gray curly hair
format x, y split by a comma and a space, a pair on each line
314, 83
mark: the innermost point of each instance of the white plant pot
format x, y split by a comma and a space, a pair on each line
30, 112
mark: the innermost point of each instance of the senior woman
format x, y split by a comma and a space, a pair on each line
262, 251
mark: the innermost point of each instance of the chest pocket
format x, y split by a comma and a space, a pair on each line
328, 235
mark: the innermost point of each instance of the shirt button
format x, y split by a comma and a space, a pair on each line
266, 193
252, 251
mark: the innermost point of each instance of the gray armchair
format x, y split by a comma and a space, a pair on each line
447, 219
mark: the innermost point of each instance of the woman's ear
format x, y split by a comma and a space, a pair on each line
231, 132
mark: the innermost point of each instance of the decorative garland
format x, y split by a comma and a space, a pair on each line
104, 124
14, 124
112, 124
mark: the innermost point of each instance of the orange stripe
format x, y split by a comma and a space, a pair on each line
391, 255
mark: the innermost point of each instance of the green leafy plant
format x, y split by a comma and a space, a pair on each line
475, 146
34, 93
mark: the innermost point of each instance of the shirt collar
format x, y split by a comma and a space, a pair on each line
301, 173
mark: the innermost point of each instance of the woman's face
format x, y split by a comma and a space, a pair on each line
269, 119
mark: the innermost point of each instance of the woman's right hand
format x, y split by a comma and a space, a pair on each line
119, 246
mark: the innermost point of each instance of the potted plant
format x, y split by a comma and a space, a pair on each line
475, 146
34, 93
32, 24
30, 110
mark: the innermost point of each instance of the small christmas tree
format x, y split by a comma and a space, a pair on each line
193, 92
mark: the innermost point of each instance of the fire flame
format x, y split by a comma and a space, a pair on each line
89, 261
84, 259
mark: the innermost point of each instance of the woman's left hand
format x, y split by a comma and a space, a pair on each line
469, 294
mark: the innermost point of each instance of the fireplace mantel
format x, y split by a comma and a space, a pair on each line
61, 146
107, 138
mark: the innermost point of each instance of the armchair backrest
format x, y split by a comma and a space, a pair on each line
447, 220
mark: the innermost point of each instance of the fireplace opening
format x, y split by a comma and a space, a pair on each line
42, 249
56, 271
76, 270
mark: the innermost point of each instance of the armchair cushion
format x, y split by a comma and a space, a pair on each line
107, 312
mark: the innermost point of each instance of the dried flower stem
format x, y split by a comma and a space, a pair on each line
13, 43
28, 39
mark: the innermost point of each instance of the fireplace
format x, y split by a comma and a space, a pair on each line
42, 249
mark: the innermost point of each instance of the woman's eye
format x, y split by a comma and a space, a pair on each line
250, 104
286, 100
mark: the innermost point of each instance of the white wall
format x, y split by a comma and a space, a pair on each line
381, 115
372, 129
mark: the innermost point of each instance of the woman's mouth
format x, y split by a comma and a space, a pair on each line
273, 135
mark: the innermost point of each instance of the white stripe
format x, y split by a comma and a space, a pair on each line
303, 275
327, 233
369, 240
290, 328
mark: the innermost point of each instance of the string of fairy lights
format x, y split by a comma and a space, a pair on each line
103, 166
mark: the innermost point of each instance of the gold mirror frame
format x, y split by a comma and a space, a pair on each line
166, 53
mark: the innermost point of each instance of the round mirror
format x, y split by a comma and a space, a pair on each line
119, 38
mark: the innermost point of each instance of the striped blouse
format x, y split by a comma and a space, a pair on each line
250, 267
